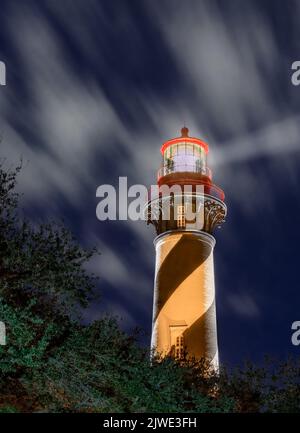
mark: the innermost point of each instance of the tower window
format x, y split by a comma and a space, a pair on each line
181, 216
181, 221
179, 350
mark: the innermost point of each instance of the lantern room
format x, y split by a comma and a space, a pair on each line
184, 162
184, 154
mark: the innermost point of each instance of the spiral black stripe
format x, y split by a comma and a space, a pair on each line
201, 336
180, 262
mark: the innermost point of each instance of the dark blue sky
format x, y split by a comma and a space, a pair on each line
95, 87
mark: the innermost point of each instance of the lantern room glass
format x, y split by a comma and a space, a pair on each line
184, 157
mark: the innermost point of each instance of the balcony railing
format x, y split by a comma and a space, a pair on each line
181, 168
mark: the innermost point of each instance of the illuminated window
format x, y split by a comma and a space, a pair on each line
179, 350
181, 221
181, 216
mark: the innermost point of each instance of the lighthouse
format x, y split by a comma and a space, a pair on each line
185, 211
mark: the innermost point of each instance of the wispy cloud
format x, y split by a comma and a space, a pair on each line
243, 305
74, 134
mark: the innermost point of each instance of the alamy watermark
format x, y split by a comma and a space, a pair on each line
295, 78
296, 335
158, 202
2, 334
2, 74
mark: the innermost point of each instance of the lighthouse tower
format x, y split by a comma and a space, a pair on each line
185, 211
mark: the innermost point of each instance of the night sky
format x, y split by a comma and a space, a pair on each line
95, 87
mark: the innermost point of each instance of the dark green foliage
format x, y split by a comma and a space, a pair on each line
52, 363
100, 369
28, 336
43, 282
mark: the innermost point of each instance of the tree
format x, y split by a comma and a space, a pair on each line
43, 284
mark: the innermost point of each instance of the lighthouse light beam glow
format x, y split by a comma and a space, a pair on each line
184, 310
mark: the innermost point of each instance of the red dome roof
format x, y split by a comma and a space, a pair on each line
184, 139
